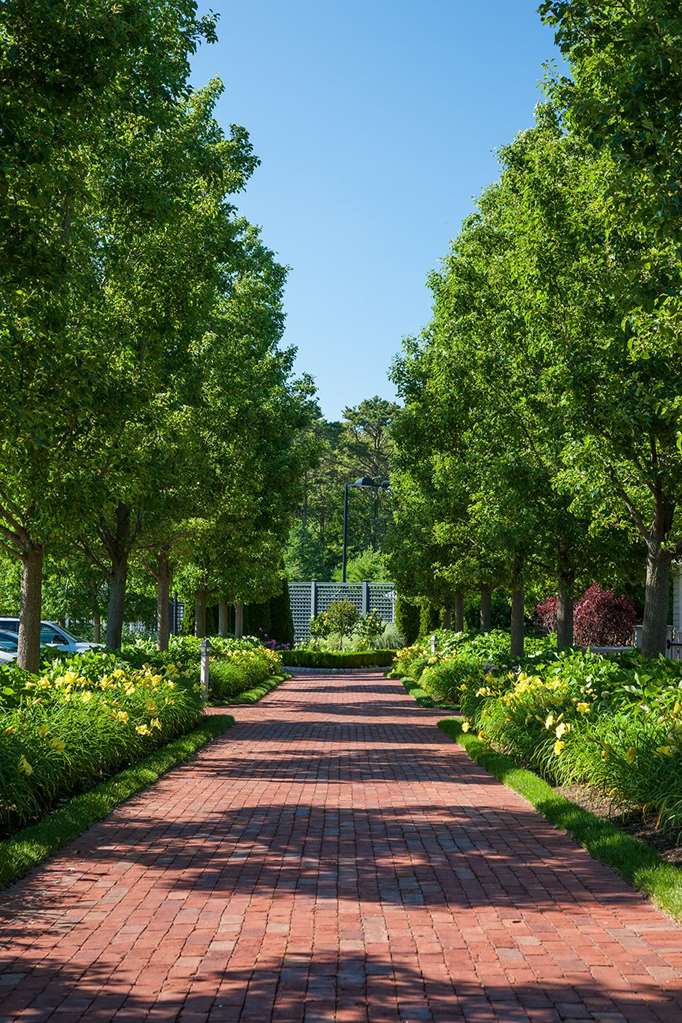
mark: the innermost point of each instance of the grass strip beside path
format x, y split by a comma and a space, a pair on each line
634, 860
259, 691
29, 846
417, 693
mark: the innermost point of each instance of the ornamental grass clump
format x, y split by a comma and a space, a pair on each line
68, 729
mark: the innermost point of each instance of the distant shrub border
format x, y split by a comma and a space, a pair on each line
634, 860
31, 845
329, 659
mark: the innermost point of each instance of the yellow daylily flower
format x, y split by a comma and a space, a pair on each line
665, 751
561, 729
549, 721
142, 730
58, 745
465, 726
582, 707
631, 755
559, 745
155, 723
42, 730
24, 766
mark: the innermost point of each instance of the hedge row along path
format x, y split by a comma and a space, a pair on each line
333, 857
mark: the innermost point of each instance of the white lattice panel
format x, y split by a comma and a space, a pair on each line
309, 598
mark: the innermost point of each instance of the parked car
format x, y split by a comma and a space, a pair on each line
52, 635
9, 641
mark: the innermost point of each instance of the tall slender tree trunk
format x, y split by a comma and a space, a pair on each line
118, 578
200, 606
564, 604
96, 627
239, 620
517, 612
486, 608
118, 547
163, 583
28, 654
459, 611
223, 618
447, 614
658, 561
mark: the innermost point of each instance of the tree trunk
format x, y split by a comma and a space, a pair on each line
223, 618
447, 615
517, 615
486, 608
239, 620
28, 654
200, 605
163, 581
564, 604
118, 548
96, 627
118, 577
459, 611
655, 620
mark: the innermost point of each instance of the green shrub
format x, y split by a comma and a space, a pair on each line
304, 658
579, 717
67, 730
236, 671
341, 617
407, 618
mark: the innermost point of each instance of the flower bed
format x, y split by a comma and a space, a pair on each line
578, 717
236, 665
80, 722
302, 658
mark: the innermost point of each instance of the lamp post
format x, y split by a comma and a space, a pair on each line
363, 483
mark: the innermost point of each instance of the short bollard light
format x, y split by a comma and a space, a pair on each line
205, 652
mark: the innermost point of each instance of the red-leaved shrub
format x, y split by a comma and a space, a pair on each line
600, 618
603, 619
546, 614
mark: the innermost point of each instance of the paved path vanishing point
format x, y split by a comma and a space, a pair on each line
332, 858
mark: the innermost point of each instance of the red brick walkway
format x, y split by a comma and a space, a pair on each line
332, 858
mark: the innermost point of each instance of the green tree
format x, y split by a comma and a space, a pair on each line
69, 72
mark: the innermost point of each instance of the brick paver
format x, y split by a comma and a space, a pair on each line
334, 857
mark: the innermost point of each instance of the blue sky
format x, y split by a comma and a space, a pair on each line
377, 124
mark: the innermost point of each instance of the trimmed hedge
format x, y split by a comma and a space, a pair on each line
336, 659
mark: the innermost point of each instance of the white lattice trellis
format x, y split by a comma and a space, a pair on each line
309, 598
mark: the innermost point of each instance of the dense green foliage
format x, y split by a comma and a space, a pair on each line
151, 422
238, 671
65, 730
538, 446
32, 844
407, 618
578, 717
358, 446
